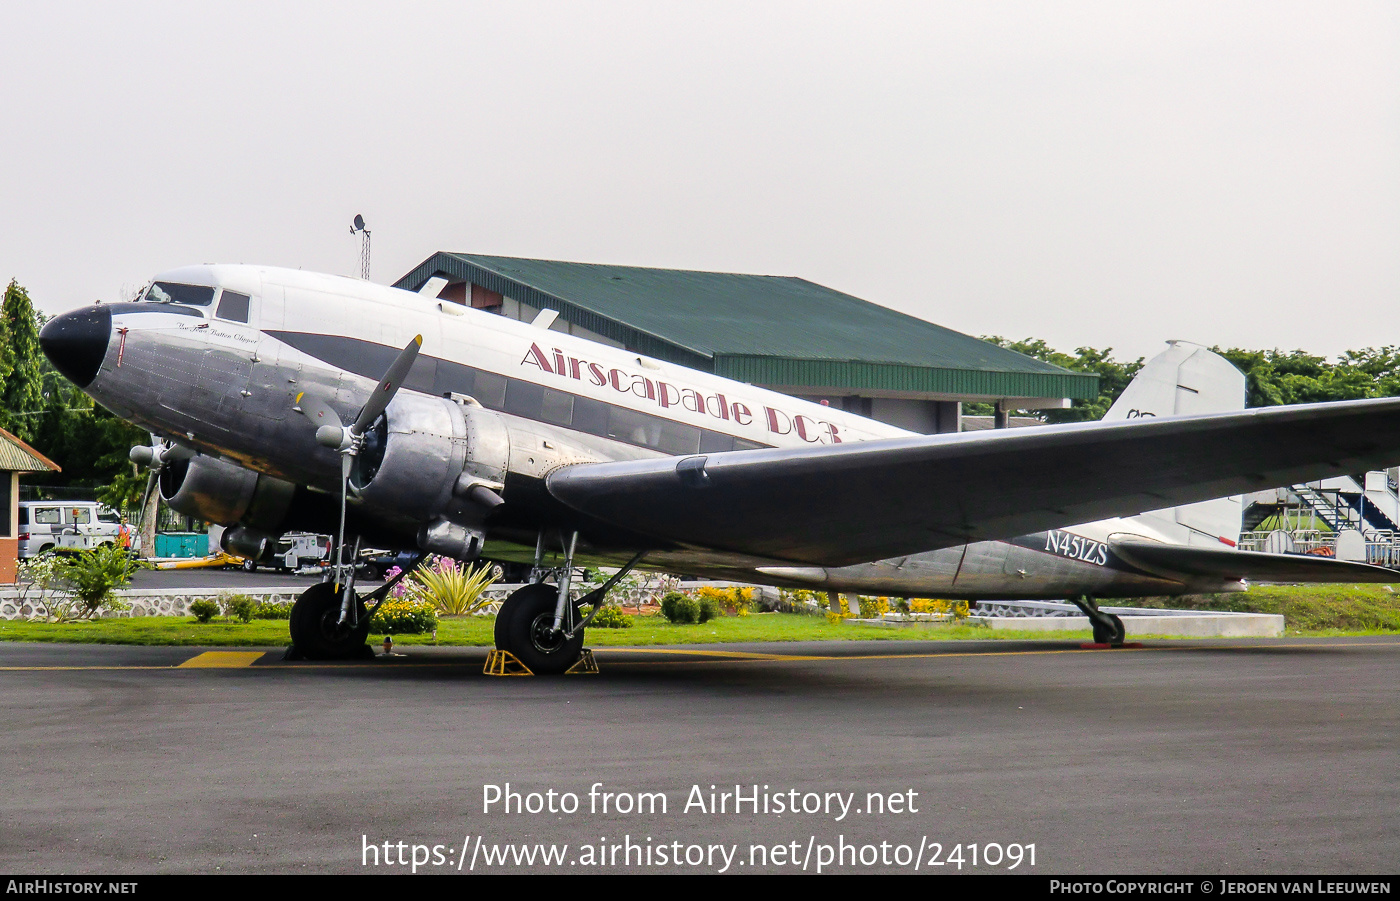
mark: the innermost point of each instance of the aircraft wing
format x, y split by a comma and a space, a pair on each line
835, 505
1175, 561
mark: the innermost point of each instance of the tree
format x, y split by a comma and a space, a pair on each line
1297, 377
1113, 375
21, 399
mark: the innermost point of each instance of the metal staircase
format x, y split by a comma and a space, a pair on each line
1330, 507
1368, 505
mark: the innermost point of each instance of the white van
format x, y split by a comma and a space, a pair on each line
66, 525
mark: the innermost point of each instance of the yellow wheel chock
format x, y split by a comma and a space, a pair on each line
504, 663
586, 665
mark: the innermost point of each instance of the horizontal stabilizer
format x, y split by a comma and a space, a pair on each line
1175, 561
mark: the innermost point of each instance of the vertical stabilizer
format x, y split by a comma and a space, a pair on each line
1187, 379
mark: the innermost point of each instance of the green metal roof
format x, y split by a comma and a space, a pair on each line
16, 456
768, 330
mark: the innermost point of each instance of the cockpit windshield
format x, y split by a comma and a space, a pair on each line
170, 292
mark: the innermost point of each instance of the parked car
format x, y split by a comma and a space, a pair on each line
375, 564
68, 525
293, 551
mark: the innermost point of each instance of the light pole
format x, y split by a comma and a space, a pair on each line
359, 226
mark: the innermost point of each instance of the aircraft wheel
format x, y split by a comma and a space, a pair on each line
250, 566
316, 629
523, 627
1115, 635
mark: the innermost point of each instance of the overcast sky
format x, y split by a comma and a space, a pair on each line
1109, 174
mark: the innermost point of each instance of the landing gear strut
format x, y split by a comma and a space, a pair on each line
1108, 628
329, 620
541, 624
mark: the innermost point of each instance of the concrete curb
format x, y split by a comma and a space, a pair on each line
1184, 624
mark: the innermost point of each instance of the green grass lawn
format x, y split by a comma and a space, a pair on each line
473, 631
1307, 610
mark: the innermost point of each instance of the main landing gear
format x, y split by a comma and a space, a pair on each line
1108, 628
330, 621
541, 625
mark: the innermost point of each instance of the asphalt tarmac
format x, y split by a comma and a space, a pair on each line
1199, 757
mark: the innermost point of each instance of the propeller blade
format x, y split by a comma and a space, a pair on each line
317, 410
174, 453
345, 463
145, 499
388, 386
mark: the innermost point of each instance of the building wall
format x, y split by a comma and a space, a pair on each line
9, 528
927, 417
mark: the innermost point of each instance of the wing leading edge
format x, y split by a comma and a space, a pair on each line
837, 505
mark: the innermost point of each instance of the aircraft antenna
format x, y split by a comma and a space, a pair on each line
359, 227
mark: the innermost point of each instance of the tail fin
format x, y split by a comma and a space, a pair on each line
1187, 379
1183, 379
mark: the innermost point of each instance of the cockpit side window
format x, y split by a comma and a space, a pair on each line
233, 306
191, 295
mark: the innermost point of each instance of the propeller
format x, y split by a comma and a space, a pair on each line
347, 440
155, 457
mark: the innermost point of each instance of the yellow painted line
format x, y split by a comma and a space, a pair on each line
788, 658
743, 657
222, 659
69, 669
737, 655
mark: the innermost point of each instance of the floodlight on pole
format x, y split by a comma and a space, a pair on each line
359, 226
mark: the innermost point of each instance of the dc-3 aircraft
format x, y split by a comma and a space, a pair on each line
280, 400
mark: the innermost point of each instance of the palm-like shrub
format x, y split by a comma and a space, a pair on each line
452, 588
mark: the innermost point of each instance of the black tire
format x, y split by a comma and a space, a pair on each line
250, 566
315, 625
523, 628
1115, 635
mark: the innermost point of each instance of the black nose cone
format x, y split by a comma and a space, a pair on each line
76, 342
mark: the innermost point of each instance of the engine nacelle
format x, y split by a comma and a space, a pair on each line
438, 463
215, 491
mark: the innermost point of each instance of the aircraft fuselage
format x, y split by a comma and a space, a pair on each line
505, 403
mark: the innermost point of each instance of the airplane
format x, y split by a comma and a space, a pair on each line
280, 400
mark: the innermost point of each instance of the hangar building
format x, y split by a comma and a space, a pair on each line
782, 333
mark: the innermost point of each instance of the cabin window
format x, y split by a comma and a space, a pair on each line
714, 442
524, 398
171, 292
490, 390
677, 438
631, 427
557, 407
233, 306
590, 416
48, 516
